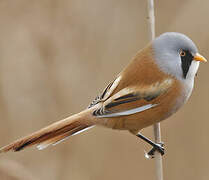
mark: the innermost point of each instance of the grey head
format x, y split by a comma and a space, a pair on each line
174, 53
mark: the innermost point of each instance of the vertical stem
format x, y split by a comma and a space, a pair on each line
156, 127
151, 19
158, 157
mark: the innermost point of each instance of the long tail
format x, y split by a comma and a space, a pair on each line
54, 133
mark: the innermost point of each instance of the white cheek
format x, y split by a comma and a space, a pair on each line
193, 69
189, 81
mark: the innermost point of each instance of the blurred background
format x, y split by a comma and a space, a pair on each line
56, 56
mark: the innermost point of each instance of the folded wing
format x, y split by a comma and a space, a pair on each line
133, 100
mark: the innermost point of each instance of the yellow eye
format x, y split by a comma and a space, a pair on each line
182, 53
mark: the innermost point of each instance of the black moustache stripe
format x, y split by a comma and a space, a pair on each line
186, 63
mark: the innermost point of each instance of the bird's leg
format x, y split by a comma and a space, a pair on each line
155, 146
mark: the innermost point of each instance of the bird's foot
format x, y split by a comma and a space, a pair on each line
156, 147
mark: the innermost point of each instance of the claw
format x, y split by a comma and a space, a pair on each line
157, 147
147, 156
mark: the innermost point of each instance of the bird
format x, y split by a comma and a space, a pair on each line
152, 87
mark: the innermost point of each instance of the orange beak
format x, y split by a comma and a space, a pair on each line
199, 57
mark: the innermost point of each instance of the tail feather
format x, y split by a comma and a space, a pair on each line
58, 139
51, 134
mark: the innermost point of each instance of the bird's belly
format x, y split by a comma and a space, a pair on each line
147, 117
167, 105
141, 120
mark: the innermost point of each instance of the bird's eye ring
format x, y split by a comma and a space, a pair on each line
182, 53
